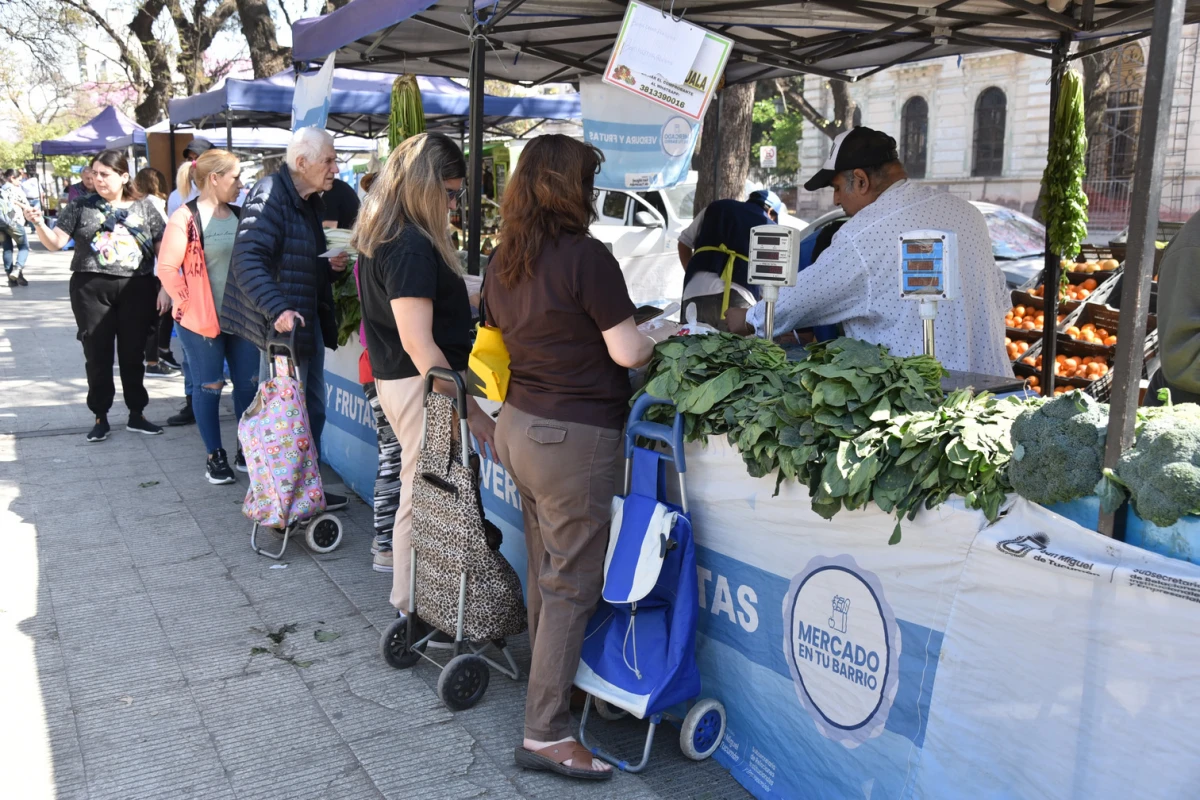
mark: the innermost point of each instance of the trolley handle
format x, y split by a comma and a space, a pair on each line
460, 386
460, 402
285, 346
672, 437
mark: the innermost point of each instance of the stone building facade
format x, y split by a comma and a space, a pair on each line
978, 126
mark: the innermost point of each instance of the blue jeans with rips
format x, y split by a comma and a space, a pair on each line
206, 363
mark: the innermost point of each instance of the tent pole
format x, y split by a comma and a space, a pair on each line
716, 132
171, 147
228, 132
1053, 266
475, 168
1143, 226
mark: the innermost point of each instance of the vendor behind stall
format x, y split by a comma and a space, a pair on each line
713, 252
856, 282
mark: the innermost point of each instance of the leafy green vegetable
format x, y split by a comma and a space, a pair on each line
1065, 206
851, 422
349, 311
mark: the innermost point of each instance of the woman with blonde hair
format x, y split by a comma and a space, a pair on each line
560, 300
193, 265
415, 307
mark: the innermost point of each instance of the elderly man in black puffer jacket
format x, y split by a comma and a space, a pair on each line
277, 279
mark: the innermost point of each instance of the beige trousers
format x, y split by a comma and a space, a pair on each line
402, 402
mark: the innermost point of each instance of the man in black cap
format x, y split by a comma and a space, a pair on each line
855, 282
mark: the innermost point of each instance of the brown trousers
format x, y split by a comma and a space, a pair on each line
567, 474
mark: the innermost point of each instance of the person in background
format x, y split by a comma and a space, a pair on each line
193, 265
112, 285
1179, 318
415, 308
559, 299
341, 205
854, 281
81, 189
160, 361
12, 206
32, 189
718, 235
194, 149
277, 280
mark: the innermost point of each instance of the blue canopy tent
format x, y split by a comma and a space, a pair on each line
258, 139
360, 104
99, 133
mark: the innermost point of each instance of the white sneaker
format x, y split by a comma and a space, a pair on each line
383, 561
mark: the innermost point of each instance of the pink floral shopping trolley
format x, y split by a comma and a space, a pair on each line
285, 480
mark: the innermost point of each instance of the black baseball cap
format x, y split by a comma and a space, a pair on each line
859, 148
198, 146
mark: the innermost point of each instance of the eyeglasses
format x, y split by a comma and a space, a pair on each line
455, 195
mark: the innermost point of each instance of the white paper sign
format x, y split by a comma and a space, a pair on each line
691, 96
657, 44
767, 156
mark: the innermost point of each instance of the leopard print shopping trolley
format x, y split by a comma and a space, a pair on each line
461, 584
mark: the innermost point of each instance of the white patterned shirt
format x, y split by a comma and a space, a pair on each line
856, 282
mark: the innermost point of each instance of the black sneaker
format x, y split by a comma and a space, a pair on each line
217, 470
99, 431
239, 461
139, 424
159, 370
168, 358
335, 501
184, 417
21, 279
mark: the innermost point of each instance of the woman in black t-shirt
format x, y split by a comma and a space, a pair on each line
560, 300
415, 309
113, 289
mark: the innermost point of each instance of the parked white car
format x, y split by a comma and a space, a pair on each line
642, 231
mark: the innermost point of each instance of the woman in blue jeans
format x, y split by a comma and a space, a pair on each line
193, 265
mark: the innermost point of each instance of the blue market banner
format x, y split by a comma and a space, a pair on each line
645, 145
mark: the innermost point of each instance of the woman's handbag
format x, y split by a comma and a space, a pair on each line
488, 365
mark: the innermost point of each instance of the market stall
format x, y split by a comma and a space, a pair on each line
986, 630
108, 129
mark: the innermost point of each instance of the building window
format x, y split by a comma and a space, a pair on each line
914, 136
856, 117
990, 111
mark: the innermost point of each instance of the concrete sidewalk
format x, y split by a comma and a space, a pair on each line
134, 619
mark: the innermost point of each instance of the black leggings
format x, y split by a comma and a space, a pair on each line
109, 308
159, 340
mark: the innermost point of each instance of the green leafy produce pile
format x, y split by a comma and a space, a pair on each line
407, 117
1065, 206
349, 311
851, 422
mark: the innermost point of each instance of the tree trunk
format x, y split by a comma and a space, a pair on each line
195, 37
730, 149
156, 91
266, 56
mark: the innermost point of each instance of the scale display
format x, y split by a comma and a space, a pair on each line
928, 265
774, 256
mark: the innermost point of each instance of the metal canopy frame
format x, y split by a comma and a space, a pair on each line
846, 40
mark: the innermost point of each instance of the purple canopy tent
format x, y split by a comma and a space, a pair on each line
94, 136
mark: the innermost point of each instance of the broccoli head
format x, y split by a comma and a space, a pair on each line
1058, 448
1162, 470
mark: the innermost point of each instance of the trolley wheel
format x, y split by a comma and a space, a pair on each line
608, 712
323, 534
463, 682
393, 645
702, 730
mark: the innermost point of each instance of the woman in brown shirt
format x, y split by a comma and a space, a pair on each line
559, 299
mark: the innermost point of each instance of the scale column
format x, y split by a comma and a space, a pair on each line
928, 314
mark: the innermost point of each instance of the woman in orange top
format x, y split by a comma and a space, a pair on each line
193, 265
